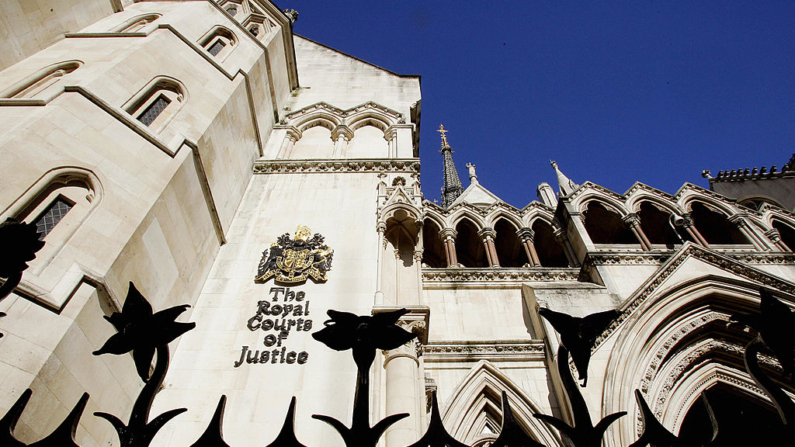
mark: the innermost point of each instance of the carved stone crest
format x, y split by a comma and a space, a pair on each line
292, 261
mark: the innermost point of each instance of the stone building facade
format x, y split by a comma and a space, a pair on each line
172, 144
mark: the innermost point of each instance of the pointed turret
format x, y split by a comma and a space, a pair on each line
452, 184
565, 184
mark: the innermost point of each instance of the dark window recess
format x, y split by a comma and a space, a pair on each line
254, 30
216, 47
154, 110
47, 221
232, 11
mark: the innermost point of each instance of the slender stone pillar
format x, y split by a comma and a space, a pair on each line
287, 145
487, 235
341, 135
775, 237
527, 235
379, 294
739, 221
403, 371
448, 236
633, 222
563, 239
391, 139
691, 229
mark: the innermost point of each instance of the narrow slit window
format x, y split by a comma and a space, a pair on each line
154, 110
50, 218
216, 47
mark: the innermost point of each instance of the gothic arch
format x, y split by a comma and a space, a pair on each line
136, 23
40, 80
322, 119
475, 404
686, 203
608, 201
78, 186
501, 213
369, 119
676, 345
219, 41
633, 203
173, 93
464, 213
434, 216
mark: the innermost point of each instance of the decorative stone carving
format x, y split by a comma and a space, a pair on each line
311, 166
542, 274
497, 350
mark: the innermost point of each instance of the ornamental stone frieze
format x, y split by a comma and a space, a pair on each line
410, 165
496, 276
497, 350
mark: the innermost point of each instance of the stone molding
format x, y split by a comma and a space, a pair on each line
691, 250
499, 275
646, 258
408, 165
495, 351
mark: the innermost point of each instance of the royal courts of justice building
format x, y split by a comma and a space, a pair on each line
183, 145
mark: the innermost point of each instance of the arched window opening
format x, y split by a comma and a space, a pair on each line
735, 413
715, 226
42, 80
469, 247
550, 252
315, 142
137, 23
232, 10
509, 248
219, 42
656, 225
605, 226
786, 232
368, 142
156, 104
755, 203
254, 30
433, 254
58, 203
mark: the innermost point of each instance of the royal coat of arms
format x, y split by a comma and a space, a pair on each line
293, 261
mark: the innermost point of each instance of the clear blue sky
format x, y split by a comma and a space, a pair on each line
615, 92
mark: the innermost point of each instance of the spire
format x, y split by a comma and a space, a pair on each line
452, 185
565, 184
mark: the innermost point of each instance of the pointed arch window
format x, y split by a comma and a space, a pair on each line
137, 23
157, 103
58, 203
219, 42
41, 80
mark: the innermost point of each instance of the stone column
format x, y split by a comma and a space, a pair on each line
527, 235
287, 145
487, 235
448, 236
739, 221
391, 139
563, 239
379, 294
341, 135
691, 229
775, 237
403, 373
633, 222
